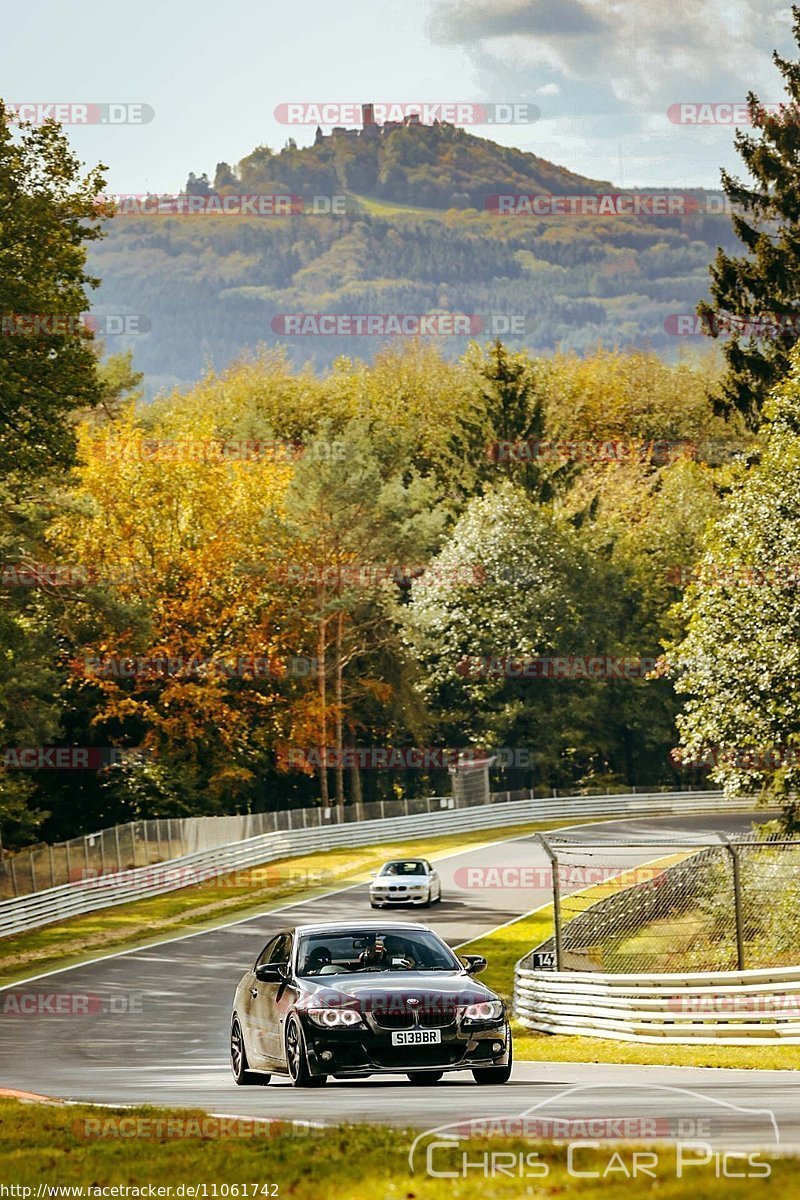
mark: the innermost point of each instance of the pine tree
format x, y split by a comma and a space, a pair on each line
760, 289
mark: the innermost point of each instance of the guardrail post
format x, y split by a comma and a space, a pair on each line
737, 898
551, 854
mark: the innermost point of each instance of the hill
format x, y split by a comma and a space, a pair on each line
414, 236
432, 166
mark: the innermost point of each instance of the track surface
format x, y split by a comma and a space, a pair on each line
166, 1043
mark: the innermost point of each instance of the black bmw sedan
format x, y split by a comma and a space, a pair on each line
352, 1000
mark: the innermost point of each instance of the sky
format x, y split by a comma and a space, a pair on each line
602, 73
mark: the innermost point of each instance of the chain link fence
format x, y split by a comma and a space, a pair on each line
656, 907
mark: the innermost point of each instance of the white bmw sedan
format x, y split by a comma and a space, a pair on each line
410, 881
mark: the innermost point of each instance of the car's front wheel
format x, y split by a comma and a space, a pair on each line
425, 1076
297, 1059
495, 1074
239, 1065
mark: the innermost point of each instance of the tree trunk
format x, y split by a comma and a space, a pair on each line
339, 784
355, 781
323, 700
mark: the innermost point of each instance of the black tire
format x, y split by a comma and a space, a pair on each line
242, 1075
495, 1074
425, 1077
297, 1059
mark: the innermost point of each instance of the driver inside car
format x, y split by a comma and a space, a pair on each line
319, 957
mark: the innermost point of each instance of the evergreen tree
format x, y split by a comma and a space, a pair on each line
760, 289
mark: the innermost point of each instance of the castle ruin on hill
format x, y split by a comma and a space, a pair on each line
370, 128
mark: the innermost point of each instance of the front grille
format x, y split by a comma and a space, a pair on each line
393, 1018
437, 1018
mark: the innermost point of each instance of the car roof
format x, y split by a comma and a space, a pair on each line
358, 923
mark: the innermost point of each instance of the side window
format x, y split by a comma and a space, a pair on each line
281, 949
266, 953
428, 867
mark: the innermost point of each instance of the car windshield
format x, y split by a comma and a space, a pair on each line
411, 866
362, 950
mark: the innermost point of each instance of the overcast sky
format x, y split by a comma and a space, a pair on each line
602, 73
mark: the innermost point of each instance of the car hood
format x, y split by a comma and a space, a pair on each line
396, 987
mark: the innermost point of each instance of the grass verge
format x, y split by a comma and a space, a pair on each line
545, 1047
224, 898
48, 1145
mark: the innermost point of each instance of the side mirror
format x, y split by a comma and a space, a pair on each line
272, 972
475, 963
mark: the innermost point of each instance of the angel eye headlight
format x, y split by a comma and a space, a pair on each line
486, 1010
335, 1018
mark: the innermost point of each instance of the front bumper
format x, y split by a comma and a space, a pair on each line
368, 1050
386, 898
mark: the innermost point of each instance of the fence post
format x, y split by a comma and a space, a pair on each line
33, 873
14, 877
737, 898
69, 868
52, 866
119, 852
551, 854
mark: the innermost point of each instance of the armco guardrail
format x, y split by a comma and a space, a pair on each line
726, 1008
68, 900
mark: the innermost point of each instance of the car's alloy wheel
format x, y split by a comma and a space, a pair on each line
239, 1065
495, 1074
296, 1059
425, 1076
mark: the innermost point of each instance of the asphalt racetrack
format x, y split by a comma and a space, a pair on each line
165, 1042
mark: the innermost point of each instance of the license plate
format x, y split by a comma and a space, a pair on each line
416, 1037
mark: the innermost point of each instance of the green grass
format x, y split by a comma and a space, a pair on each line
204, 905
545, 1047
47, 1144
392, 208
666, 944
